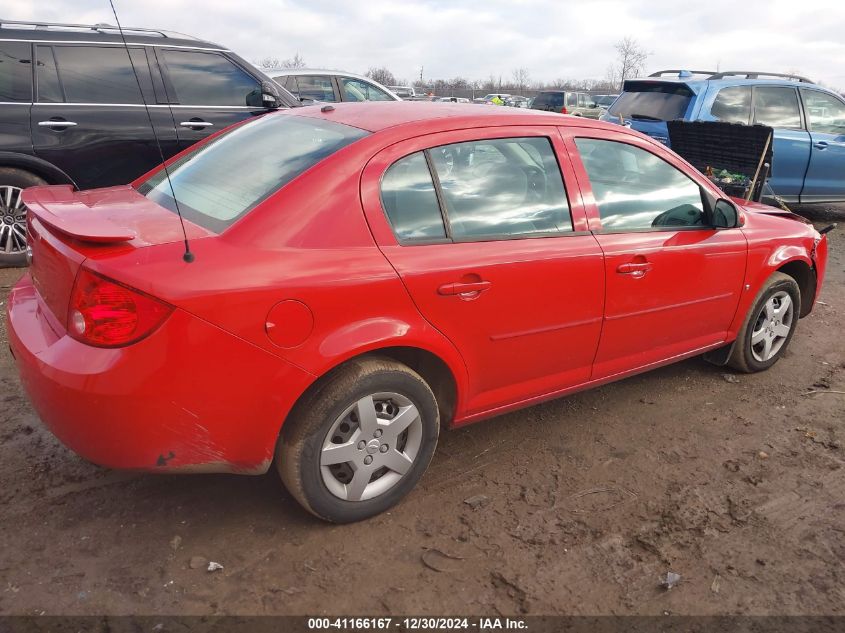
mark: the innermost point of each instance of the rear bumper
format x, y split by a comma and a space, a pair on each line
190, 397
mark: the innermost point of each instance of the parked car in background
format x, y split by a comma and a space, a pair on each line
516, 101
489, 98
808, 162
403, 92
72, 112
567, 102
512, 256
331, 86
452, 100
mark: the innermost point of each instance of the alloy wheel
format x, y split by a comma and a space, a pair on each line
772, 327
12, 220
371, 446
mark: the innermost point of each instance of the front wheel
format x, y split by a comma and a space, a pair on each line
360, 441
769, 326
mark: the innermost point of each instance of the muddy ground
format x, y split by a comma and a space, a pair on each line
579, 507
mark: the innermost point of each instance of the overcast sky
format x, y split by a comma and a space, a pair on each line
474, 39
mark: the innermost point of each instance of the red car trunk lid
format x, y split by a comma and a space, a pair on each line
67, 226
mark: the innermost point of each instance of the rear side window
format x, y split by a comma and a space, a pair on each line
733, 105
636, 190
49, 88
15, 71
777, 107
825, 113
101, 74
315, 87
652, 101
502, 188
219, 182
357, 90
571, 100
409, 198
204, 78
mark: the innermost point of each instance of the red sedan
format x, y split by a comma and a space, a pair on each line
365, 274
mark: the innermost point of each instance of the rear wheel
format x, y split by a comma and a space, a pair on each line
13, 214
358, 443
769, 326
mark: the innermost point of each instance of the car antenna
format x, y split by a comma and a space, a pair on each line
188, 256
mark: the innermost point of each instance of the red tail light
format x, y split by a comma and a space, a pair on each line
105, 313
563, 110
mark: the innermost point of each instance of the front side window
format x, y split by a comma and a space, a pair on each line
315, 87
409, 198
16, 71
357, 90
635, 190
777, 107
223, 180
204, 78
733, 105
100, 74
502, 188
825, 113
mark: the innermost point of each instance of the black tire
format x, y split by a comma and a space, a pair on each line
742, 356
20, 179
299, 452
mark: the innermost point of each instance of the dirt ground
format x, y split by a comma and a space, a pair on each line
578, 506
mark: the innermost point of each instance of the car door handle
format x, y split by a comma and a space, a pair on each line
52, 123
463, 288
635, 269
196, 124
820, 144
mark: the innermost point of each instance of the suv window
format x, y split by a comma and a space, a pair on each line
777, 107
15, 71
548, 100
316, 87
657, 101
409, 198
221, 181
825, 113
498, 189
357, 90
636, 190
571, 100
203, 78
92, 74
733, 105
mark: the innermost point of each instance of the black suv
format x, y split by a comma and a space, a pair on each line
71, 111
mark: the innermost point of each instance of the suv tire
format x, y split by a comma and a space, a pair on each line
13, 215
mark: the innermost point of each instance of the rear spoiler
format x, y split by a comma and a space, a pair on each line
60, 208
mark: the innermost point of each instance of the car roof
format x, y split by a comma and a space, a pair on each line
287, 72
699, 81
375, 116
100, 34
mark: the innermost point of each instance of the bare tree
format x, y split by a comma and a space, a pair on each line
630, 60
382, 75
521, 78
269, 63
296, 61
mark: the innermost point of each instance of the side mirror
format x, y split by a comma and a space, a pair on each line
725, 215
267, 96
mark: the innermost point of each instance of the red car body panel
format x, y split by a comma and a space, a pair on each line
314, 276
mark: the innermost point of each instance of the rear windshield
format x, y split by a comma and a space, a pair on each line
226, 178
652, 101
553, 99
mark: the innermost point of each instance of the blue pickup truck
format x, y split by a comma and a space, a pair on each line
808, 120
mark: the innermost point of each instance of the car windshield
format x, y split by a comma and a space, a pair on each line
652, 101
223, 180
